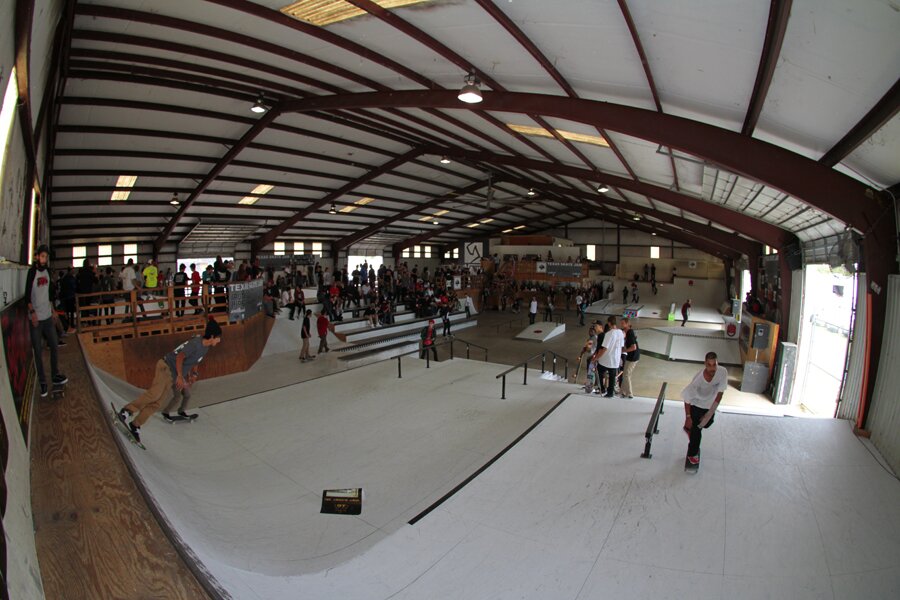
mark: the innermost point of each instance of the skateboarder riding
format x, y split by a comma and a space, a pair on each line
175, 371
701, 399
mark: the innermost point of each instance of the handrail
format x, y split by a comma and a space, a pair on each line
468, 345
524, 365
653, 425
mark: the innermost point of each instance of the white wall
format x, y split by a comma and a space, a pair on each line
884, 416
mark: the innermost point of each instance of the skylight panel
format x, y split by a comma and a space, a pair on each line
325, 12
260, 190
596, 140
124, 181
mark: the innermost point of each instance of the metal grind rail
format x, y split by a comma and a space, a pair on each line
450, 342
524, 365
653, 425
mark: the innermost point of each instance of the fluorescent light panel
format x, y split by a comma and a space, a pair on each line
326, 12
255, 193
361, 202
124, 181
519, 227
569, 135
439, 213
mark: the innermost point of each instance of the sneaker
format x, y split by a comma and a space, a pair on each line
123, 416
61, 343
135, 431
694, 460
184, 415
60, 379
44, 390
168, 418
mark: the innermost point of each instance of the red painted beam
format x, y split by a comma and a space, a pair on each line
779, 14
760, 230
834, 193
375, 227
272, 235
880, 114
236, 149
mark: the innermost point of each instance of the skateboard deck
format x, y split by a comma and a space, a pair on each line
58, 391
122, 427
180, 419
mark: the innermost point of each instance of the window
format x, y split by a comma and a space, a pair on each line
7, 112
79, 253
654, 251
130, 251
298, 247
317, 248
456, 253
590, 251
407, 253
279, 248
770, 250
417, 251
104, 255
427, 253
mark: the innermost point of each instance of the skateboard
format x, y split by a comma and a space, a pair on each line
179, 419
124, 428
58, 391
689, 468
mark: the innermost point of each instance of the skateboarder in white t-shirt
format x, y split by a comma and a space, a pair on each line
701, 399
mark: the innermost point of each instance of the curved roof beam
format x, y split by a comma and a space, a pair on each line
639, 47
751, 227
779, 14
820, 186
880, 114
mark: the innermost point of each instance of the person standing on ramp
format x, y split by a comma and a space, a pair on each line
701, 399
173, 373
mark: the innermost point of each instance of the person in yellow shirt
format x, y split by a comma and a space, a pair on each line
151, 275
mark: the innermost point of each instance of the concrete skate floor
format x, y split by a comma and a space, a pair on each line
786, 508
653, 310
687, 344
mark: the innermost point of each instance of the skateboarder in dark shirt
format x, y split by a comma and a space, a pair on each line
173, 373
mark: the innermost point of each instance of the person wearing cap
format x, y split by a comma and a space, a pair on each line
40, 313
175, 371
428, 334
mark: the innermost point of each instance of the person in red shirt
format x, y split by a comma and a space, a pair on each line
195, 289
322, 329
428, 336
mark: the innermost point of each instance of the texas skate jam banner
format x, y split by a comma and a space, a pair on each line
559, 269
244, 299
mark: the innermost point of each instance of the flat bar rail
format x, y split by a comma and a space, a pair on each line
653, 425
524, 365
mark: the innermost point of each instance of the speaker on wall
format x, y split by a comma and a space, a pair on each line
793, 255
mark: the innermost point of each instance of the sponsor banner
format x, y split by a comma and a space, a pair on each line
244, 299
473, 253
16, 325
559, 269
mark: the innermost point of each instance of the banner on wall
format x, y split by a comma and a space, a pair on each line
244, 299
472, 254
559, 269
15, 323
457, 282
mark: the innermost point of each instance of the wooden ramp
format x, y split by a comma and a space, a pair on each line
96, 537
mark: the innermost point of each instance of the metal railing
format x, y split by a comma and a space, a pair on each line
524, 365
653, 425
422, 349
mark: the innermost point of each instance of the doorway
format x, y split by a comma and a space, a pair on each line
824, 335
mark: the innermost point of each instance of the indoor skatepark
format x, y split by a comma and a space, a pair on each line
242, 486
177, 169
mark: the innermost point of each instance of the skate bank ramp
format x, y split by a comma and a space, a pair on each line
789, 508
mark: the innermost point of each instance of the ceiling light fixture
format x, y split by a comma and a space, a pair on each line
260, 106
124, 181
435, 222
445, 160
174, 201
469, 93
636, 218
652, 233
519, 227
333, 209
602, 188
531, 192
